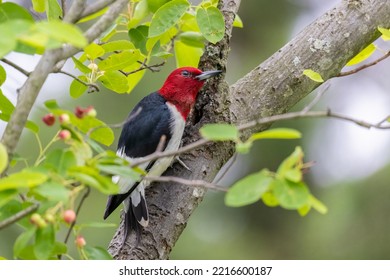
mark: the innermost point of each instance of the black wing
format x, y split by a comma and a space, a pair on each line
141, 134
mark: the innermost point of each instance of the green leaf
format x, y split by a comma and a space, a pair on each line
60, 160
293, 175
53, 10
90, 177
188, 22
51, 104
115, 81
59, 249
269, 199
249, 189
77, 89
3, 158
97, 129
385, 33
167, 16
119, 61
10, 208
318, 205
3, 75
39, 5
6, 196
44, 242
363, 55
11, 11
243, 148
62, 32
93, 51
219, 132
118, 45
187, 55
123, 171
27, 253
96, 253
23, 239
139, 36
5, 105
304, 210
7, 39
291, 195
276, 133
53, 191
140, 12
154, 5
191, 38
294, 161
313, 75
134, 78
211, 23
238, 22
94, 15
79, 65
22, 179
30, 125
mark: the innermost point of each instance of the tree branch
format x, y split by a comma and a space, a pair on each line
360, 68
56, 70
11, 220
270, 89
96, 7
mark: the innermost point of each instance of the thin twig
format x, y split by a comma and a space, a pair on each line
346, 73
262, 121
17, 67
88, 190
193, 183
316, 99
27, 73
90, 85
18, 216
63, 7
96, 7
153, 68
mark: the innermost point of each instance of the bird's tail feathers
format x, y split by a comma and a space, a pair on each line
131, 224
139, 207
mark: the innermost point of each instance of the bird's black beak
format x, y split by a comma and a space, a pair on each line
208, 74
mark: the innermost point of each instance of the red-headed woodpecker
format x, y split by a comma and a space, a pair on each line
160, 114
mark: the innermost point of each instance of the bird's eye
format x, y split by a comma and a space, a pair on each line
185, 73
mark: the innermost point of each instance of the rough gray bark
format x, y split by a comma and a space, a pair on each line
271, 88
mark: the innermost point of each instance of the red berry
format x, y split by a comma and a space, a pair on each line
69, 216
80, 241
64, 134
49, 119
79, 112
82, 112
64, 118
91, 111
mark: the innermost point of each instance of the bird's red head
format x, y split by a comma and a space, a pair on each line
182, 86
